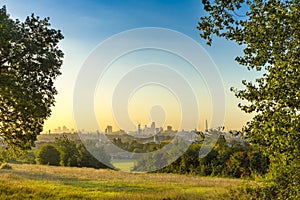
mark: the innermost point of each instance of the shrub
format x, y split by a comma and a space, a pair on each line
68, 151
76, 155
86, 159
5, 166
27, 158
48, 155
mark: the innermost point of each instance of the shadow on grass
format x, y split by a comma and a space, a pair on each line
101, 186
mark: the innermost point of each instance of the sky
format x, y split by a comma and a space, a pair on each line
86, 24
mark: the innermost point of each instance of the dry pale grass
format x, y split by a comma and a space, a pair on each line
43, 171
85, 183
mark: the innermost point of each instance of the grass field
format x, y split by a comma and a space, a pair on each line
49, 182
124, 165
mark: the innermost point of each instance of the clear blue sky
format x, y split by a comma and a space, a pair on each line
86, 23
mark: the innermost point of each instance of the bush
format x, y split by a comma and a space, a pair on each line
86, 159
27, 158
5, 166
286, 179
225, 159
68, 151
48, 155
76, 155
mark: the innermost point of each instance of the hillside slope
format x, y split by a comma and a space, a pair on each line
49, 182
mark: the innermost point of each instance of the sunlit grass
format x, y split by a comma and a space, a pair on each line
124, 165
47, 182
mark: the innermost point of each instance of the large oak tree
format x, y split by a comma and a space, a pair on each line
30, 60
269, 33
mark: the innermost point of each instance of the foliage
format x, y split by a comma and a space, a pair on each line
30, 60
154, 160
283, 177
5, 166
27, 157
76, 155
68, 151
136, 146
269, 33
3, 157
225, 159
48, 155
88, 160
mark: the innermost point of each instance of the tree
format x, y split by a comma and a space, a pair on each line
30, 60
68, 151
86, 159
48, 155
75, 154
270, 38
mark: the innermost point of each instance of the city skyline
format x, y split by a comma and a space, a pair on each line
140, 129
86, 24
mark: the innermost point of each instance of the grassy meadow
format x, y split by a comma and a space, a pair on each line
49, 182
124, 165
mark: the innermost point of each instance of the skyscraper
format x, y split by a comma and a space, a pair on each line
153, 131
153, 126
139, 129
108, 129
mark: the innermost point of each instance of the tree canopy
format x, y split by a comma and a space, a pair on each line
30, 60
269, 32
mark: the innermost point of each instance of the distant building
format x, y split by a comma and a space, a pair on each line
147, 130
139, 129
155, 139
108, 129
57, 130
153, 126
157, 130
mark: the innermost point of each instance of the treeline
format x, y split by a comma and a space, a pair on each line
227, 159
138, 147
66, 152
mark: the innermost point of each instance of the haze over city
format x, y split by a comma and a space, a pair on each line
85, 24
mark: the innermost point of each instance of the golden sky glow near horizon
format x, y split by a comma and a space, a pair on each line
149, 102
133, 69
85, 24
